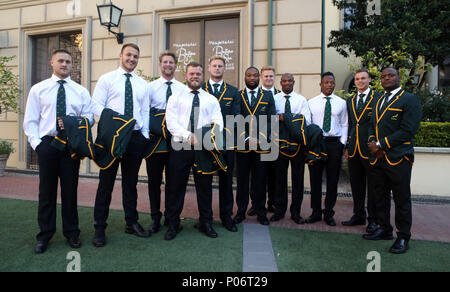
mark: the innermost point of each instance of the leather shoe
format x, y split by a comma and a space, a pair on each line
263, 220
276, 217
74, 242
251, 212
172, 232
379, 234
156, 226
41, 247
238, 218
207, 229
230, 225
354, 222
400, 246
299, 220
99, 238
371, 228
330, 221
313, 219
137, 230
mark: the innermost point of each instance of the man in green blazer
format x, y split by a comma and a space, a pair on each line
360, 109
395, 121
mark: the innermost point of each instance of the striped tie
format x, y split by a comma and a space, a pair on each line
327, 116
128, 97
60, 102
195, 107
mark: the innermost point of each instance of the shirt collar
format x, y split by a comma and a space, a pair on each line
123, 71
270, 89
212, 82
56, 78
249, 90
394, 92
366, 93
323, 95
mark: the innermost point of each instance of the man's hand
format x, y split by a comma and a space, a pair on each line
373, 148
281, 117
380, 154
61, 124
194, 140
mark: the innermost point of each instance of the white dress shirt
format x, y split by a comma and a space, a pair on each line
393, 93
339, 117
299, 105
178, 113
157, 91
366, 95
212, 82
40, 113
110, 93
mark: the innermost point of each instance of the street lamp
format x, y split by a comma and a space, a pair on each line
110, 16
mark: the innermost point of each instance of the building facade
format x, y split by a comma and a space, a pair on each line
240, 30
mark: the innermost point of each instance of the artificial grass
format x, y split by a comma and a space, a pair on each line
190, 251
312, 251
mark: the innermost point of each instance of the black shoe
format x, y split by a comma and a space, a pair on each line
156, 226
354, 222
137, 230
330, 221
298, 219
379, 234
313, 219
74, 242
172, 232
239, 218
207, 229
251, 212
276, 217
371, 228
400, 246
99, 238
230, 225
263, 220
41, 247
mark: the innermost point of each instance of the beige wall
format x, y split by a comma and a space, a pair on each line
296, 35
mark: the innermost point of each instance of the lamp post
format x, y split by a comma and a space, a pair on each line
110, 16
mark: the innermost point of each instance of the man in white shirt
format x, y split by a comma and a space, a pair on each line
187, 112
160, 91
48, 100
294, 103
329, 112
125, 93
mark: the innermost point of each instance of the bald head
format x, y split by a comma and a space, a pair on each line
287, 83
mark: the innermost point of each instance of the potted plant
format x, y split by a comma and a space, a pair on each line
6, 148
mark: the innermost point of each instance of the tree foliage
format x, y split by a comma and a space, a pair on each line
9, 88
421, 27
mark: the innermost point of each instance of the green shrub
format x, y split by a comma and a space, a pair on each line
6, 147
433, 135
435, 105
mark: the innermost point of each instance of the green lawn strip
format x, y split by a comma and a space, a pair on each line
190, 251
312, 251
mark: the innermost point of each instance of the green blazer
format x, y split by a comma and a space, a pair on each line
159, 135
265, 106
359, 125
229, 100
396, 127
209, 161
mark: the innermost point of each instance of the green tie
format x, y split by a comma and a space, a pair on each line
195, 106
327, 116
385, 102
128, 97
253, 100
169, 90
216, 89
360, 104
287, 106
60, 102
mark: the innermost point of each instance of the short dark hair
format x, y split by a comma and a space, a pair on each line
61, 51
252, 67
389, 67
362, 70
194, 64
168, 53
327, 74
134, 46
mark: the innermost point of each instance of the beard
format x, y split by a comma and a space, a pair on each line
194, 85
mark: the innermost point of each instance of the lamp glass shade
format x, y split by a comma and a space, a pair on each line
104, 12
116, 14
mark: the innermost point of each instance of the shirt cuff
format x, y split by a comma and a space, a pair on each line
35, 143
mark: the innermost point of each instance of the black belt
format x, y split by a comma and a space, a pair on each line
332, 139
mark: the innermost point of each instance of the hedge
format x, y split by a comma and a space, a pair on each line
433, 135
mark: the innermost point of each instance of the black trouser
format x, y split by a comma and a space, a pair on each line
54, 164
130, 165
398, 179
226, 198
155, 168
271, 183
361, 179
179, 167
297, 178
251, 168
332, 166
